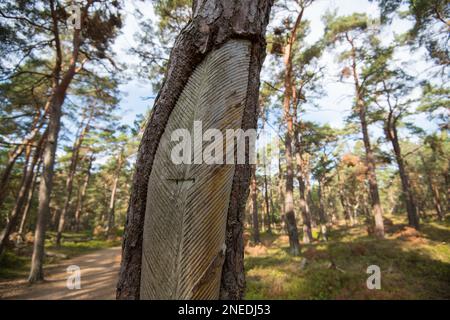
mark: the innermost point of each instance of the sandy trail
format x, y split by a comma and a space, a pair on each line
99, 272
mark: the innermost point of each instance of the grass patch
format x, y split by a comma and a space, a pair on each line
411, 268
15, 263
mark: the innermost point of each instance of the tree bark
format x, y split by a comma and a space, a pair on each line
322, 212
434, 191
82, 193
71, 174
56, 101
17, 152
30, 195
112, 201
376, 207
22, 196
254, 195
214, 23
291, 221
304, 206
266, 200
392, 135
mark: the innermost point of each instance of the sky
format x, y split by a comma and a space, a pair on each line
138, 96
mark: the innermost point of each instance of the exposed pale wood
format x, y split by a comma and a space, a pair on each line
184, 230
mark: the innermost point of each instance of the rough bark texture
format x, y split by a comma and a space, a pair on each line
214, 23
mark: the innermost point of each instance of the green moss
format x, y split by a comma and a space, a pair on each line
415, 268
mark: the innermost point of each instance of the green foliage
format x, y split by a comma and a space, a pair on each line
337, 269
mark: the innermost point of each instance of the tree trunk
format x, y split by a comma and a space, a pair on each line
304, 206
214, 24
266, 201
17, 152
291, 221
112, 201
376, 207
322, 213
254, 194
29, 202
61, 82
392, 135
82, 193
72, 170
22, 196
434, 191
281, 194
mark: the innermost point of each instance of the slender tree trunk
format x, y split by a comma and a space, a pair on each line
71, 174
266, 201
22, 196
304, 206
291, 222
281, 194
254, 195
322, 213
29, 202
214, 23
112, 201
344, 202
17, 152
61, 82
391, 132
434, 191
112, 205
82, 193
376, 207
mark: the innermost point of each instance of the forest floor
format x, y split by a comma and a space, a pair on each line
99, 271
414, 265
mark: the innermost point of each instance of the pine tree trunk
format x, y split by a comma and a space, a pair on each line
82, 193
71, 174
214, 24
30, 195
22, 196
17, 152
291, 221
266, 202
254, 195
413, 218
45, 188
304, 206
376, 207
322, 213
61, 82
434, 191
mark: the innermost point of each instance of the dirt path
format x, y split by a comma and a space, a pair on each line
99, 271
